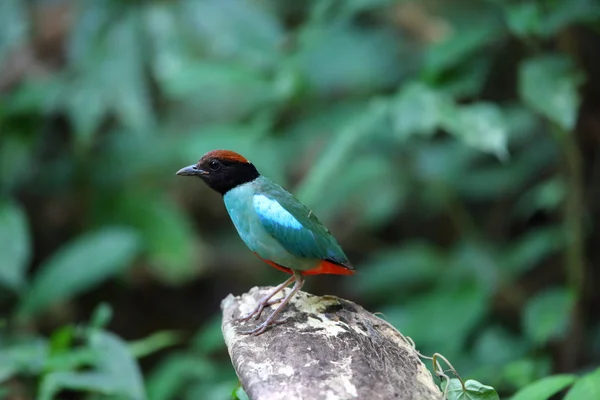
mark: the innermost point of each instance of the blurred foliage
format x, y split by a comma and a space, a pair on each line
451, 146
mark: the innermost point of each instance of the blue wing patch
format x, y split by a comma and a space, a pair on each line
271, 210
306, 239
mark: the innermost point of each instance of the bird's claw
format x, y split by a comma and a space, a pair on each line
264, 326
258, 310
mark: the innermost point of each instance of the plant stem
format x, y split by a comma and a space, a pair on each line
573, 217
574, 256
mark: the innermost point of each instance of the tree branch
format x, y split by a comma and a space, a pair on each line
328, 349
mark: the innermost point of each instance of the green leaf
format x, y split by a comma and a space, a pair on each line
166, 36
413, 264
545, 388
523, 125
85, 100
490, 182
546, 315
101, 316
473, 390
524, 18
26, 356
417, 109
88, 28
532, 247
169, 240
586, 387
129, 93
16, 154
546, 196
219, 90
61, 339
461, 45
473, 260
345, 142
534, 18
39, 96
80, 265
239, 394
525, 371
341, 58
176, 371
94, 382
441, 162
481, 125
548, 85
468, 80
456, 311
73, 359
115, 360
14, 245
209, 339
241, 29
211, 390
495, 347
109, 72
86, 107
569, 12
153, 343
374, 174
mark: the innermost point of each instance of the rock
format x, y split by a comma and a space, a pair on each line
329, 348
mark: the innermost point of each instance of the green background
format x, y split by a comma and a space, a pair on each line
451, 146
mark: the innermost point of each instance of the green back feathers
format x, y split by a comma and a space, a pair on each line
294, 226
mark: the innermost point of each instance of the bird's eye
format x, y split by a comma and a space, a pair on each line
214, 165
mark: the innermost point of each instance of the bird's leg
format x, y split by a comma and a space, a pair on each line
271, 319
264, 302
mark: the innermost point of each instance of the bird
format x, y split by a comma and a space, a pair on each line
273, 224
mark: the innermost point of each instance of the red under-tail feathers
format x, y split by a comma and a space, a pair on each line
324, 267
328, 267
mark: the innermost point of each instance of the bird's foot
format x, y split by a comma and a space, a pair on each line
264, 326
258, 310
270, 321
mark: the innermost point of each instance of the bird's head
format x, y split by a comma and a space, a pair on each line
222, 170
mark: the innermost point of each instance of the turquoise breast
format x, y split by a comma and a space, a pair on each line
241, 203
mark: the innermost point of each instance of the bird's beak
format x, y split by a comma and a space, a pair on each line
191, 170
